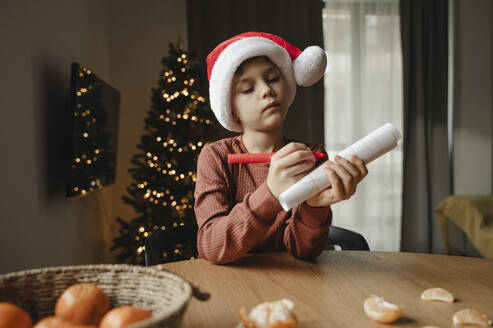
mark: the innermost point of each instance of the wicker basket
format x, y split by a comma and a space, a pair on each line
162, 292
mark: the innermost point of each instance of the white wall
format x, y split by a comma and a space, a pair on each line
123, 43
473, 97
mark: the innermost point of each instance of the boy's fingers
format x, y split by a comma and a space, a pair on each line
289, 148
360, 164
297, 157
346, 178
355, 172
335, 182
301, 170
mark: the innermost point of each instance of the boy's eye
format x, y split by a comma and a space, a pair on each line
247, 90
274, 79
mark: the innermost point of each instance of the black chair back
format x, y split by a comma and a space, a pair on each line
346, 239
161, 246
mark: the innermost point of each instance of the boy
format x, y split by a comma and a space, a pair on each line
252, 79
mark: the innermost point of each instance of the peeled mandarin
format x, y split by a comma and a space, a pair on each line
470, 317
244, 318
379, 310
277, 314
291, 323
437, 295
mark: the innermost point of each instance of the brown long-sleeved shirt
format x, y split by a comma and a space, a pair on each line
237, 213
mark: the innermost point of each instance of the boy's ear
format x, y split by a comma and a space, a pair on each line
235, 118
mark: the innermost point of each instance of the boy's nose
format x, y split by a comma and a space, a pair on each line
267, 90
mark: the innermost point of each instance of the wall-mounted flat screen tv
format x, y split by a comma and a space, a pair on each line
92, 132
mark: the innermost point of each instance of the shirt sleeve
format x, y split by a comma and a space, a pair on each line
225, 231
307, 228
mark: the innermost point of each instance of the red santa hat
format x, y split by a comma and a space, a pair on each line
298, 67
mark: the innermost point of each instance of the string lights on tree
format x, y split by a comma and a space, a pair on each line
177, 127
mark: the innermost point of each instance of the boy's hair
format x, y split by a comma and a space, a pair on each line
239, 70
297, 67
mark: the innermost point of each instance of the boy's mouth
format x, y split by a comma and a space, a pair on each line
272, 104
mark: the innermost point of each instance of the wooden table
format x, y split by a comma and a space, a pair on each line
329, 291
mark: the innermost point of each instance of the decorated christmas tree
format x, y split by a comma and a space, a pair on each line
178, 125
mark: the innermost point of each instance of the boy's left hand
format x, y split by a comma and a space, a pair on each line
344, 176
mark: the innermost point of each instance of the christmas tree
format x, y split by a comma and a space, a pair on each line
178, 125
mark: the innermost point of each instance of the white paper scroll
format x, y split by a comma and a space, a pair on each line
368, 148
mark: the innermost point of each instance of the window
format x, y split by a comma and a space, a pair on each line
363, 90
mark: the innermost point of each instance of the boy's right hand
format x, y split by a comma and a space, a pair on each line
288, 165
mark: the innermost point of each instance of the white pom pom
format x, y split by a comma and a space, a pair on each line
309, 66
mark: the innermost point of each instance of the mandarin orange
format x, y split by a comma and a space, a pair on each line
380, 310
83, 304
437, 295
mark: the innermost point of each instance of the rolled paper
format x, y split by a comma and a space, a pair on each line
251, 158
368, 148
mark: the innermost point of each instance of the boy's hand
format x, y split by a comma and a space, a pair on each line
288, 165
344, 176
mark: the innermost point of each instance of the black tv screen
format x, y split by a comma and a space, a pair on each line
92, 132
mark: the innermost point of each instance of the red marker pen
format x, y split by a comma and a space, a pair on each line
252, 158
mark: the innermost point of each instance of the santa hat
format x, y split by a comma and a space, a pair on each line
297, 67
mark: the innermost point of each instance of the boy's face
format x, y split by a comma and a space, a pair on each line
259, 95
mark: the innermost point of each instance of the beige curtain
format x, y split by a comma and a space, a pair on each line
363, 90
